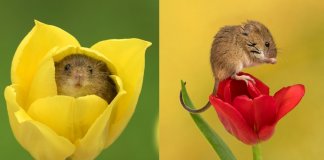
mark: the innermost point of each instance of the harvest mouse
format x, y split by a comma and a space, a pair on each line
78, 75
237, 47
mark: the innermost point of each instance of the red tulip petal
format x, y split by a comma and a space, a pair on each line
233, 121
221, 88
227, 91
229, 88
238, 88
254, 92
287, 98
245, 106
264, 111
262, 88
266, 132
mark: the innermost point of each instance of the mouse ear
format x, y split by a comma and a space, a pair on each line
249, 27
243, 30
103, 67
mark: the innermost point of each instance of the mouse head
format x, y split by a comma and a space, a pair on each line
258, 42
78, 71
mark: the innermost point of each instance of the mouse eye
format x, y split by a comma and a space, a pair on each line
67, 67
90, 69
267, 44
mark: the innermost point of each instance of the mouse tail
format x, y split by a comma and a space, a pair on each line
202, 109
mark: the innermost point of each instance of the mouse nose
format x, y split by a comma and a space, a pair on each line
78, 75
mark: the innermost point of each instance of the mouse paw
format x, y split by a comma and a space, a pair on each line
243, 78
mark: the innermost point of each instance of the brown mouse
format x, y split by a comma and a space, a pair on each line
237, 47
78, 75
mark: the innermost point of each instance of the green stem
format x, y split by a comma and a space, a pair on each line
212, 137
256, 152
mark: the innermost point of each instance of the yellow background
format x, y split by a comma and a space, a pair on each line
186, 32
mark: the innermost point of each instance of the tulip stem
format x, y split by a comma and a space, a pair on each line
212, 137
256, 152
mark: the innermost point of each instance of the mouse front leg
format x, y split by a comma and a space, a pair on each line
242, 78
238, 68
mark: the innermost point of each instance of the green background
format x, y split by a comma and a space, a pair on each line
89, 22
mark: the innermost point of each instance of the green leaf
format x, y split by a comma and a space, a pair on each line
217, 143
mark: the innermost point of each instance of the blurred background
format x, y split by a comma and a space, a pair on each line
90, 22
186, 33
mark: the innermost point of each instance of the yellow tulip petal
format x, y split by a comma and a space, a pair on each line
39, 140
39, 41
43, 83
128, 56
95, 140
68, 116
60, 127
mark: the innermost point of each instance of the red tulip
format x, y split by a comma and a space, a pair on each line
248, 112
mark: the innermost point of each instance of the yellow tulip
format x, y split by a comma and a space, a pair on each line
51, 126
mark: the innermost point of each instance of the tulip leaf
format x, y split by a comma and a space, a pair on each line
213, 138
